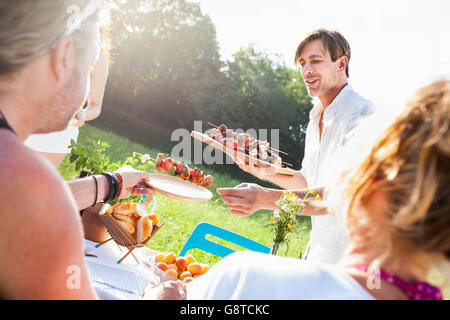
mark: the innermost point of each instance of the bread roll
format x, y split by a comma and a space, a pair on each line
125, 208
141, 211
154, 219
126, 227
123, 217
143, 229
106, 209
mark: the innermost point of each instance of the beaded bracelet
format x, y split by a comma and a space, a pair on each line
112, 188
119, 177
116, 186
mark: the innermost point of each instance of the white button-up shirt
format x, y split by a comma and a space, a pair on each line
329, 238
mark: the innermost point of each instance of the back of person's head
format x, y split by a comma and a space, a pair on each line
332, 41
30, 28
410, 163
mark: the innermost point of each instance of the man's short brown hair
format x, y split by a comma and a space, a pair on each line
332, 41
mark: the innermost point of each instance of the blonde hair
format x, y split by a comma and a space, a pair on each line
410, 162
30, 28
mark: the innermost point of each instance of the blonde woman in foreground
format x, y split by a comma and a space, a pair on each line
398, 217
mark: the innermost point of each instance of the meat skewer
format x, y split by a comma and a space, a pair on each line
247, 144
181, 170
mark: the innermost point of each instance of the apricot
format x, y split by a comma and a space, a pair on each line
195, 276
194, 268
181, 263
161, 265
172, 266
205, 267
188, 279
159, 257
172, 272
170, 258
185, 274
190, 258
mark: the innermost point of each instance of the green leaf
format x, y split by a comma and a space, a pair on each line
73, 157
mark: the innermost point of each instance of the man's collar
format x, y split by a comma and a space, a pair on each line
331, 110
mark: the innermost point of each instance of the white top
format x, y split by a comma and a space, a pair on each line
328, 238
53, 142
112, 281
246, 275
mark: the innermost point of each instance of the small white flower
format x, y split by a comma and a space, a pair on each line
276, 213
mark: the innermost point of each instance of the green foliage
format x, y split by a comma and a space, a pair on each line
92, 157
163, 51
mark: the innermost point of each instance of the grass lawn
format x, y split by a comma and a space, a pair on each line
182, 217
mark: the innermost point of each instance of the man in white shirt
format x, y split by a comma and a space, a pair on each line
323, 57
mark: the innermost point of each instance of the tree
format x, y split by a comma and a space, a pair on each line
163, 51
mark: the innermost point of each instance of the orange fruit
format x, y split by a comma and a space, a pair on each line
172, 272
205, 267
190, 258
194, 268
188, 279
170, 258
159, 257
185, 275
181, 263
162, 266
172, 266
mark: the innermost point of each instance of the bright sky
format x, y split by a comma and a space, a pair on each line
397, 45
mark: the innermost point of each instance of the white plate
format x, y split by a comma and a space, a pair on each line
178, 188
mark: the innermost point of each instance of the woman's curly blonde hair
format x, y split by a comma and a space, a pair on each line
410, 162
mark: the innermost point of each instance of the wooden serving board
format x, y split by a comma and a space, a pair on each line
235, 154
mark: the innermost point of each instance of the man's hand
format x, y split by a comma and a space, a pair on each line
247, 198
262, 173
134, 182
168, 290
